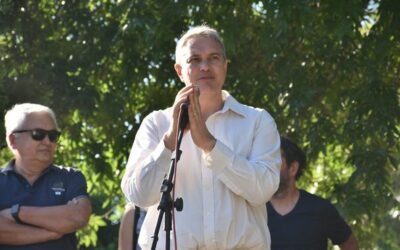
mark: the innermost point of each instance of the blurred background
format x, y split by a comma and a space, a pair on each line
328, 72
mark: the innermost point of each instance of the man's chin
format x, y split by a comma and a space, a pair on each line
46, 160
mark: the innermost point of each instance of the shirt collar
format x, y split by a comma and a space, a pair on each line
232, 104
10, 167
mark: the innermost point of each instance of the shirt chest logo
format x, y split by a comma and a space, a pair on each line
58, 188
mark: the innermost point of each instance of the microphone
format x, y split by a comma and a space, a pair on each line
184, 115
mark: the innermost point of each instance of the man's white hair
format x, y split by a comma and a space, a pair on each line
16, 116
201, 30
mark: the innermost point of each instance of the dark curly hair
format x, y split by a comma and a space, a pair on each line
291, 152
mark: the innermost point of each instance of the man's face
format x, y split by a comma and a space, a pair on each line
32, 151
202, 64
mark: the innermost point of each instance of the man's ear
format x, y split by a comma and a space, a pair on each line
178, 69
226, 65
11, 141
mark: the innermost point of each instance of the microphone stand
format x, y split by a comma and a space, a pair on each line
136, 217
166, 203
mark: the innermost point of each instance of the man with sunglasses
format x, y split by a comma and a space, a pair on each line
41, 204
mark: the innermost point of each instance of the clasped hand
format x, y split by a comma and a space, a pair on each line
200, 134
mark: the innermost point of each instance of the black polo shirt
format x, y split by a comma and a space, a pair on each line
56, 186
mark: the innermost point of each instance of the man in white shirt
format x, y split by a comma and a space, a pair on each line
230, 162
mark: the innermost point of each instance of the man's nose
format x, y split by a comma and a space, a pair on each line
46, 140
204, 65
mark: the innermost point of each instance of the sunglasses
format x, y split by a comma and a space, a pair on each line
39, 134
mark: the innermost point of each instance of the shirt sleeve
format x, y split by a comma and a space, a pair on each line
254, 177
147, 165
336, 227
76, 185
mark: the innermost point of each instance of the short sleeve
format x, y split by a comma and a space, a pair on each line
76, 184
336, 227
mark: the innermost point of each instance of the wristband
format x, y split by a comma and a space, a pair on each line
15, 212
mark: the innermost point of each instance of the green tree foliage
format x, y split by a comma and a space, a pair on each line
328, 72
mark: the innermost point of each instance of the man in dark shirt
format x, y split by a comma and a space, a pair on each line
298, 219
41, 204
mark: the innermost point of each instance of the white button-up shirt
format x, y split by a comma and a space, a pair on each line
224, 192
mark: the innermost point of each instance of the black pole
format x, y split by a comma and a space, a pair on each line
166, 203
136, 216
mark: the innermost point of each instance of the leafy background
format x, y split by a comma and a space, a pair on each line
328, 72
